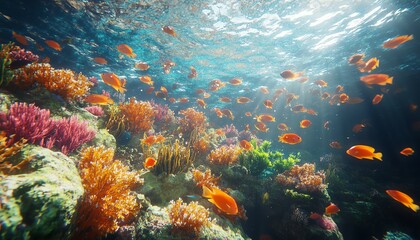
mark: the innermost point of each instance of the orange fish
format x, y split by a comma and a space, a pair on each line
403, 198
331, 209
339, 89
377, 99
311, 111
235, 81
99, 99
245, 145
356, 58
172, 100
224, 99
303, 80
358, 127
169, 30
228, 113
221, 199
183, 100
380, 79
289, 75
305, 123
413, 107
53, 44
149, 163
370, 65
100, 60
159, 139
193, 72
143, 66
167, 65
268, 104
112, 80
260, 126
335, 145
364, 152
248, 114
298, 108
283, 127
242, 100
127, 50
218, 112
395, 42
149, 140
201, 103
290, 138
321, 83
407, 152
355, 100
20, 38
343, 98
150, 90
265, 118
146, 79
325, 95
264, 90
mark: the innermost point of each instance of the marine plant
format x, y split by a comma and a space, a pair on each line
192, 120
108, 202
225, 155
63, 82
188, 218
115, 121
138, 115
303, 178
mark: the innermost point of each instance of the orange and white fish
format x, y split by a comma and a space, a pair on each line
331, 209
193, 73
143, 66
127, 50
53, 44
403, 198
242, 100
222, 200
99, 99
356, 58
407, 151
370, 65
114, 81
379, 79
20, 38
245, 145
395, 42
289, 75
235, 81
305, 123
377, 99
149, 163
146, 79
364, 152
169, 30
265, 118
290, 138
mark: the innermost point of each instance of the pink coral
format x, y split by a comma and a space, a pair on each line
20, 58
95, 110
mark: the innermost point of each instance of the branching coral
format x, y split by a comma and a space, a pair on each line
225, 155
192, 120
95, 110
303, 178
205, 178
66, 83
7, 150
164, 117
138, 115
188, 219
108, 202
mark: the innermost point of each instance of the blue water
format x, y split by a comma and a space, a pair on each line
254, 41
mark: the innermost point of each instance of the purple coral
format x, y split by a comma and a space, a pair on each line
326, 223
231, 134
20, 58
95, 110
163, 115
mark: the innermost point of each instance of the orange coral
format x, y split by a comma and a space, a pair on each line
225, 155
188, 218
303, 178
66, 83
205, 178
192, 120
7, 150
138, 115
108, 201
202, 145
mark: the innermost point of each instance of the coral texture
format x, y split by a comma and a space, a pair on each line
192, 120
303, 178
7, 150
205, 178
95, 110
225, 155
138, 115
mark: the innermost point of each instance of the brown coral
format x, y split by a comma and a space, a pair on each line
205, 178
108, 202
139, 116
192, 120
225, 155
7, 150
63, 82
303, 178
188, 219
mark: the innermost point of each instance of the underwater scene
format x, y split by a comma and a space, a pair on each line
208, 119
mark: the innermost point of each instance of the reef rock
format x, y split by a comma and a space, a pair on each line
38, 201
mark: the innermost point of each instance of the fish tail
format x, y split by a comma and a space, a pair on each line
378, 156
389, 80
414, 207
410, 37
207, 193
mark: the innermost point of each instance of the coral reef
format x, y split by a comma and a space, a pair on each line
138, 115
107, 202
115, 122
188, 218
192, 120
303, 178
225, 155
164, 117
21, 58
95, 110
205, 178
6, 151
231, 134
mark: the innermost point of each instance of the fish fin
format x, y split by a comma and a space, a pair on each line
410, 37
378, 156
207, 193
414, 207
389, 80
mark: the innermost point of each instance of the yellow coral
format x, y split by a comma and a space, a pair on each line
188, 218
7, 151
107, 201
225, 155
138, 115
66, 83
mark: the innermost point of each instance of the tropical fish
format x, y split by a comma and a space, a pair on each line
395, 42
228, 113
268, 104
358, 127
327, 125
146, 79
370, 65
380, 79
290, 138
303, 80
243, 100
289, 75
260, 126
248, 114
403, 198
282, 127
216, 84
222, 200
53, 44
100, 60
20, 38
143, 66
343, 98
167, 65
265, 198
183, 100
149, 140
265, 118
235, 81
305, 123
311, 111
264, 90
325, 95
172, 100
193, 72
150, 90
224, 99
407, 151
335, 145
127, 50
331, 209
298, 108
149, 163
355, 100
356, 58
112, 80
245, 145
377, 99
364, 152
321, 83
169, 30
339, 89
201, 103
99, 99
218, 112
